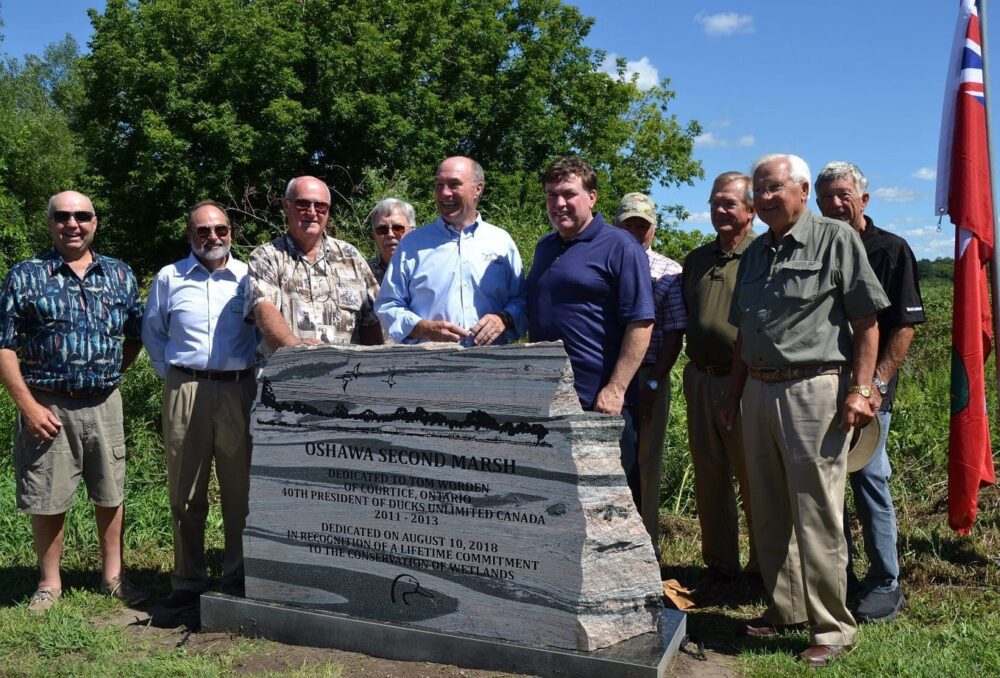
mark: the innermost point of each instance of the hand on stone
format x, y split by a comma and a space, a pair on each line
489, 328
857, 412
310, 342
41, 422
609, 400
439, 330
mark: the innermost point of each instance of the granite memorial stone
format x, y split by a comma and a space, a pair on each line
451, 489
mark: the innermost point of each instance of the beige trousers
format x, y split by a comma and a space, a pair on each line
797, 467
652, 435
205, 420
717, 455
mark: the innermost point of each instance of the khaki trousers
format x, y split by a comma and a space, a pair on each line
205, 420
652, 435
797, 466
717, 455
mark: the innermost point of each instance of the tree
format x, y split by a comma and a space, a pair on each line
39, 153
229, 98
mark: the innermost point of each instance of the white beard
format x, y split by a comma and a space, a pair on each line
213, 254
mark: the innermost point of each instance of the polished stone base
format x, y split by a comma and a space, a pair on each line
647, 655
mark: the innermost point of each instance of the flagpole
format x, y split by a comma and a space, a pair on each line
995, 258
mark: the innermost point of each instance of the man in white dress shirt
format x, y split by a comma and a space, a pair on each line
199, 343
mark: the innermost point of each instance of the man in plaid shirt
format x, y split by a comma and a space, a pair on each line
637, 215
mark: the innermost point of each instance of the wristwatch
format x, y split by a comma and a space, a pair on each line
883, 388
653, 385
863, 391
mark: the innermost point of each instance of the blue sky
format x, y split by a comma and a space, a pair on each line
852, 80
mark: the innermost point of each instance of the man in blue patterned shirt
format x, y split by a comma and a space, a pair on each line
70, 321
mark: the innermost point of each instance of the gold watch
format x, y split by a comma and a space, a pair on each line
863, 391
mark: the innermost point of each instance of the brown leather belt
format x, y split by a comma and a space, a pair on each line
94, 393
772, 375
215, 375
714, 370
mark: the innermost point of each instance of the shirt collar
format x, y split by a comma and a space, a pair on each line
739, 249
57, 262
448, 228
191, 263
799, 232
592, 230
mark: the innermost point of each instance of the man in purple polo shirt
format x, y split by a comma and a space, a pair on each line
589, 287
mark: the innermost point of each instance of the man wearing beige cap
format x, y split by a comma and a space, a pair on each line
637, 215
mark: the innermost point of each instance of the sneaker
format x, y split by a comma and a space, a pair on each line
125, 591
880, 606
43, 599
181, 599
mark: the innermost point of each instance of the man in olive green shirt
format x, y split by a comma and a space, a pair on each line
708, 281
805, 311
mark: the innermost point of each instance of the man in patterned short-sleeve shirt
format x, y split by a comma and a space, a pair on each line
69, 327
305, 287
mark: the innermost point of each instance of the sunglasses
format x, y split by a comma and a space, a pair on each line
302, 205
397, 229
220, 230
82, 216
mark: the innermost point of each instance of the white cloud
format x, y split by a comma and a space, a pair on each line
698, 218
896, 194
926, 173
710, 140
918, 232
746, 140
725, 23
648, 74
721, 124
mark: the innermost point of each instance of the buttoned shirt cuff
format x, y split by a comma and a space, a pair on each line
403, 325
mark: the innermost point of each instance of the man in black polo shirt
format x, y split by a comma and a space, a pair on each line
841, 194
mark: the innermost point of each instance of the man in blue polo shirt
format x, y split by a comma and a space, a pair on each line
589, 287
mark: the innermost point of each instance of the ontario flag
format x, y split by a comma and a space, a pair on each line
964, 191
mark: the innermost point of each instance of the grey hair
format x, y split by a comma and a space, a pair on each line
727, 178
798, 170
387, 206
290, 188
839, 169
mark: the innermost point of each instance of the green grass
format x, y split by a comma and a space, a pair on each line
951, 627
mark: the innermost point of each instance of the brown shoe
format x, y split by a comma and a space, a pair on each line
818, 656
125, 591
762, 628
43, 599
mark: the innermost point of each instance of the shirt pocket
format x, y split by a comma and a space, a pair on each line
348, 298
798, 279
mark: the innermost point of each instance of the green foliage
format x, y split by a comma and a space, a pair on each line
39, 153
941, 269
228, 99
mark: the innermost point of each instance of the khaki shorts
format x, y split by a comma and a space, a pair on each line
90, 444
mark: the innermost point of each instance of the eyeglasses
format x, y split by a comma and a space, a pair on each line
397, 229
773, 189
82, 216
303, 205
220, 231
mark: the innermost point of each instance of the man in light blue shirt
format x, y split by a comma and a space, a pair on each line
458, 278
199, 343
